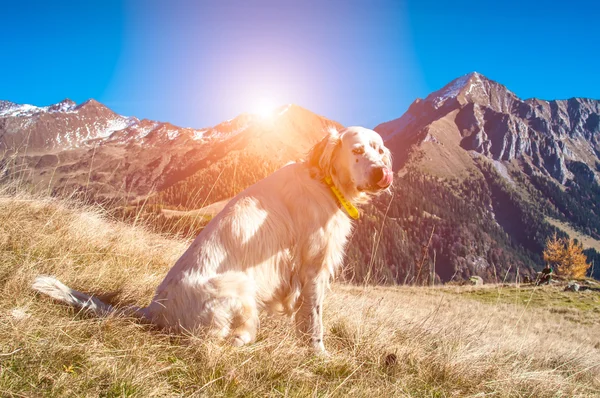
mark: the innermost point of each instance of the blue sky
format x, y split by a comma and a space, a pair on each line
198, 63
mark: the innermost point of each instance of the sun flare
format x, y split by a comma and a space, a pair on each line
264, 107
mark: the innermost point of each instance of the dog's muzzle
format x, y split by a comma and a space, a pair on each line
381, 177
386, 178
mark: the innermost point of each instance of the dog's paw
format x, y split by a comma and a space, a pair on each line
319, 349
323, 354
241, 339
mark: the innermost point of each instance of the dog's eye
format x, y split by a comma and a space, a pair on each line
358, 151
380, 151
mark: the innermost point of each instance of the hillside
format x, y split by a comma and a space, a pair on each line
59, 126
105, 157
479, 172
401, 341
516, 163
477, 114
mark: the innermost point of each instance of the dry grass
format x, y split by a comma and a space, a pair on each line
422, 342
553, 298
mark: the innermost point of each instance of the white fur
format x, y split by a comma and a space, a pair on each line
274, 247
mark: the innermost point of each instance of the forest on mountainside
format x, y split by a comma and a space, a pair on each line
479, 226
431, 230
579, 202
217, 181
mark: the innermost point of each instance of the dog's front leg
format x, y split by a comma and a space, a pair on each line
309, 318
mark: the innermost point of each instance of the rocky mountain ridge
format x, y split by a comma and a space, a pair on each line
494, 122
479, 173
59, 126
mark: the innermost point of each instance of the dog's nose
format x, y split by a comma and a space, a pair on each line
382, 177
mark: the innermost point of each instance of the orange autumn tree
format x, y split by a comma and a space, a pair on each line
566, 256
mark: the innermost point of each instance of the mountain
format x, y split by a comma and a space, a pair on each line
485, 176
482, 177
258, 147
88, 148
55, 127
474, 113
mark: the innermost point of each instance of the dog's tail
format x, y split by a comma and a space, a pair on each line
57, 290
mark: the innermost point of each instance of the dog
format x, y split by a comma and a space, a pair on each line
274, 247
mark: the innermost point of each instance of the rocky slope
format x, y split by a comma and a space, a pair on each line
68, 148
491, 120
60, 126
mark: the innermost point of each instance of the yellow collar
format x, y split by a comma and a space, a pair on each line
349, 207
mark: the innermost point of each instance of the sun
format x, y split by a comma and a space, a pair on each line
264, 107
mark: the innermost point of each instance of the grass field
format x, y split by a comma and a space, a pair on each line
384, 341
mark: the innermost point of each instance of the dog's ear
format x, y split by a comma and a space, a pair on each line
321, 156
387, 158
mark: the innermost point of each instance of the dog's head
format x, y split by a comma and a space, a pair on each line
356, 159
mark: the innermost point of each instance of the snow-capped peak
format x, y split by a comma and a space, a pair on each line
10, 109
464, 84
65, 105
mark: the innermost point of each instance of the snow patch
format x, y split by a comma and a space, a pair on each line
224, 134
172, 134
99, 130
284, 110
453, 89
474, 82
198, 134
116, 125
10, 109
137, 131
14, 110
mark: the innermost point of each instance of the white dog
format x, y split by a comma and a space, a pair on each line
275, 246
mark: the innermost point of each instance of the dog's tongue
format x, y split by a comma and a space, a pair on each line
387, 178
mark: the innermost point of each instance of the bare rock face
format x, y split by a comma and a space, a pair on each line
494, 122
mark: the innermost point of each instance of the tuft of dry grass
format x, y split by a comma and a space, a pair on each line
393, 341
